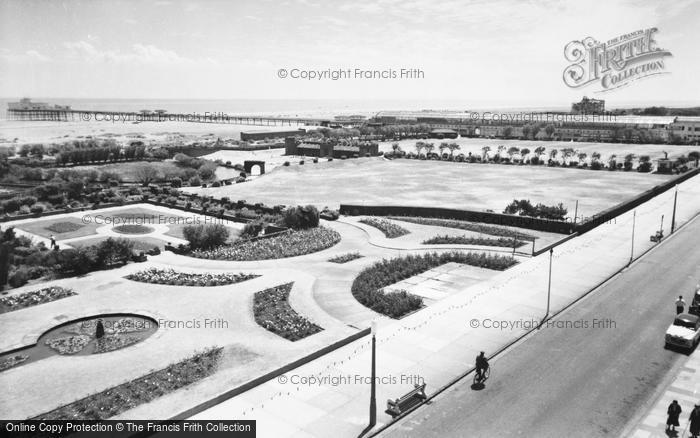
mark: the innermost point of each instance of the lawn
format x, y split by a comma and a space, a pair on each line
375, 181
61, 228
140, 244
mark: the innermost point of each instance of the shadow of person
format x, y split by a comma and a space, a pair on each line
478, 386
671, 433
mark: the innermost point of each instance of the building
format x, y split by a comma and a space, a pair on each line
262, 135
588, 106
686, 129
328, 149
26, 104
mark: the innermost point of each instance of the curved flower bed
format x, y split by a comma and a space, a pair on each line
118, 399
469, 226
344, 258
12, 361
173, 277
367, 287
390, 230
33, 298
481, 241
288, 244
273, 312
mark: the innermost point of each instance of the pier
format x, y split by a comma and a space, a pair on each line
26, 110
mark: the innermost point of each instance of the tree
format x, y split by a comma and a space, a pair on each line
453, 147
582, 157
442, 147
501, 149
512, 151
485, 152
420, 145
553, 154
549, 130
146, 174
566, 154
429, 147
524, 152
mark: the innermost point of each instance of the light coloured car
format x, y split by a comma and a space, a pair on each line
684, 332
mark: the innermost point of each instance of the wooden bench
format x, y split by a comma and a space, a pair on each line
656, 236
413, 398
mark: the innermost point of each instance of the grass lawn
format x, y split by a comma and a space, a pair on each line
374, 181
140, 244
61, 228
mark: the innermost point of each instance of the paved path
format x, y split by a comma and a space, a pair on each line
683, 387
437, 343
587, 373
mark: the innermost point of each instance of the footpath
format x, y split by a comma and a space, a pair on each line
685, 388
330, 396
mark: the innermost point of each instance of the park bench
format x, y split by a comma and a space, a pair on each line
413, 398
656, 236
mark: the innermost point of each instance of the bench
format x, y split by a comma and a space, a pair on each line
656, 236
411, 399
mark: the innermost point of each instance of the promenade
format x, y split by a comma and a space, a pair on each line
330, 396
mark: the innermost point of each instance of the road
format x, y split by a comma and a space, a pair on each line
574, 382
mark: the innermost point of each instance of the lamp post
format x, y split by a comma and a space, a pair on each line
549, 287
673, 218
634, 222
373, 394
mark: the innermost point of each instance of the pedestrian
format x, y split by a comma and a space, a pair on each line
674, 411
695, 421
99, 329
53, 241
680, 305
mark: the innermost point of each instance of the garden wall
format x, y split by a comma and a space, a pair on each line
465, 215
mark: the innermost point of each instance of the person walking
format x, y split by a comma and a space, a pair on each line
674, 412
695, 421
680, 305
53, 241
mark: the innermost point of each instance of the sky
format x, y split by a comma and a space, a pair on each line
481, 51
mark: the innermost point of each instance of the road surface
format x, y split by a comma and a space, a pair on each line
571, 382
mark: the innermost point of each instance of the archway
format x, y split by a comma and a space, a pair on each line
248, 166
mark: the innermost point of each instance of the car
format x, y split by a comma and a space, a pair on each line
684, 332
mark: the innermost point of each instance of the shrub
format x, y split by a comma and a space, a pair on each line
19, 277
206, 236
286, 163
195, 181
37, 209
176, 182
300, 218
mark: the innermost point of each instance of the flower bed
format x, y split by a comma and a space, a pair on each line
344, 258
290, 243
12, 361
68, 344
389, 229
118, 399
367, 286
175, 278
273, 312
111, 343
33, 298
132, 229
465, 240
469, 226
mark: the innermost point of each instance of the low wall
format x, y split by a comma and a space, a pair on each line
550, 226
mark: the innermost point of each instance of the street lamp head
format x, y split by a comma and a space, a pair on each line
374, 328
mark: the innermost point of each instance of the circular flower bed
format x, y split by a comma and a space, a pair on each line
172, 277
132, 229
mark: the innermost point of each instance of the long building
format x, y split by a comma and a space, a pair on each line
561, 126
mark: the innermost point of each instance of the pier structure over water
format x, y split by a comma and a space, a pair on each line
27, 110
